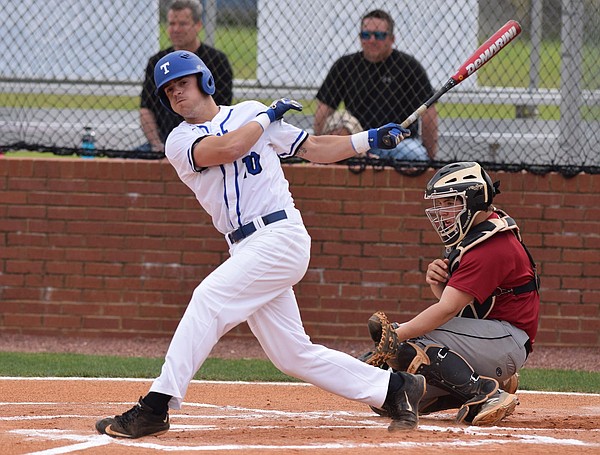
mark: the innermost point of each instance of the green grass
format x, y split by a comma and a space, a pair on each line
559, 380
510, 68
238, 43
78, 365
42, 100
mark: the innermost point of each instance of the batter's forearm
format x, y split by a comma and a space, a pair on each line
326, 149
217, 150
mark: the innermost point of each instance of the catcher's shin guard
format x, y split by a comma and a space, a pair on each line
449, 371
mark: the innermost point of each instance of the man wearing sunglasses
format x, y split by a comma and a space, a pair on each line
378, 85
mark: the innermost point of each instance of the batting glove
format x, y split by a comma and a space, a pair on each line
276, 111
385, 137
280, 107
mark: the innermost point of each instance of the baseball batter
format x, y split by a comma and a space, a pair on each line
229, 156
471, 343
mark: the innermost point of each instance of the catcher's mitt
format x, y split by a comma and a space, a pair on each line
386, 341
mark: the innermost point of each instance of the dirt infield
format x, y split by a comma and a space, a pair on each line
57, 416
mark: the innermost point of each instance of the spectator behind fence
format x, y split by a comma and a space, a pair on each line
184, 20
380, 85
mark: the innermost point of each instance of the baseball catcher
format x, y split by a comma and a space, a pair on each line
469, 345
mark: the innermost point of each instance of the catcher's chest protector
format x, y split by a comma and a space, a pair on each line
475, 236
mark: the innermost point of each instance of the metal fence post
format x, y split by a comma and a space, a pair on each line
530, 110
210, 22
570, 131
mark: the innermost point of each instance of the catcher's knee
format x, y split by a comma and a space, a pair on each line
409, 357
445, 369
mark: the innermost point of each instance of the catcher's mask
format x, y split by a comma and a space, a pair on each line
179, 64
458, 191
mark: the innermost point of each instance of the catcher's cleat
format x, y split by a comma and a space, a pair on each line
403, 406
497, 407
137, 422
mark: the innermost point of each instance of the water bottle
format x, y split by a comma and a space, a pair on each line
88, 143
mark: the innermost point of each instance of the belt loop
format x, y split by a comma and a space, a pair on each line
258, 223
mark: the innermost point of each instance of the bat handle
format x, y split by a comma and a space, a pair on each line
387, 141
391, 141
414, 116
436, 96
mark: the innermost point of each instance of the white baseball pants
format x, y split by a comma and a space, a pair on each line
255, 285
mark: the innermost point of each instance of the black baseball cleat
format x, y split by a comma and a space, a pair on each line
137, 422
403, 406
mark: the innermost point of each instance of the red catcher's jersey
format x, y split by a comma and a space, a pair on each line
500, 262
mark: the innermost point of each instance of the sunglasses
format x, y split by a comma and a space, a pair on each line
379, 36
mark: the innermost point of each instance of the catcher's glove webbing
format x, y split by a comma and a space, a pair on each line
386, 341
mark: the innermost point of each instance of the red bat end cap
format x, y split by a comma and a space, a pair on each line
488, 50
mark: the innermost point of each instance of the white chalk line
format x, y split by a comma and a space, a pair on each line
83, 442
492, 435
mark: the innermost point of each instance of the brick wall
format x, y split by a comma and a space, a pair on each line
115, 247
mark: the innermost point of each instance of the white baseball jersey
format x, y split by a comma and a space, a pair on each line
234, 194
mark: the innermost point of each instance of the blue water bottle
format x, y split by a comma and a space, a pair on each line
88, 142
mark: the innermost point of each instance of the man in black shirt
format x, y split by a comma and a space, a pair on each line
184, 23
381, 85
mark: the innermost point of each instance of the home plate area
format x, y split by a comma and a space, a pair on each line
57, 416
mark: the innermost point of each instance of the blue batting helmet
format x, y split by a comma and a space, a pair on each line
179, 64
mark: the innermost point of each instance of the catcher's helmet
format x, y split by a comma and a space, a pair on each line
178, 64
451, 217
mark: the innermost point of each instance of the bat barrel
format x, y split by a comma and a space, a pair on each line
480, 57
488, 50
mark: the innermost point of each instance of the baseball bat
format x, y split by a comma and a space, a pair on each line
480, 57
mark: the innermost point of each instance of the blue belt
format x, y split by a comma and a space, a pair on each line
250, 228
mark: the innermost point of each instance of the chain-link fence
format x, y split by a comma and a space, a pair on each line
71, 64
